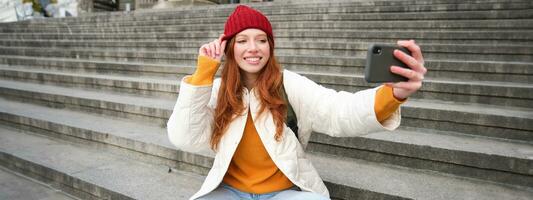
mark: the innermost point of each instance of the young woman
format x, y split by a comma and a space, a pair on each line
241, 116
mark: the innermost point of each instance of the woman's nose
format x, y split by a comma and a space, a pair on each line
252, 46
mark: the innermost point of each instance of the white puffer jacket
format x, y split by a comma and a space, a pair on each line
338, 114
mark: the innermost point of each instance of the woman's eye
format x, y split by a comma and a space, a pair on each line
263, 41
241, 41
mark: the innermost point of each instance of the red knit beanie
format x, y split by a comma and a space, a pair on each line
244, 17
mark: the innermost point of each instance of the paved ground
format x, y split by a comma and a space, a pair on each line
14, 186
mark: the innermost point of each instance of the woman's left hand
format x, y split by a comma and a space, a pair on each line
402, 90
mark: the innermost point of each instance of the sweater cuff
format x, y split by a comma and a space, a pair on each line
386, 104
205, 72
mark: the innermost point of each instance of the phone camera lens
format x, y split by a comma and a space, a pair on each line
376, 50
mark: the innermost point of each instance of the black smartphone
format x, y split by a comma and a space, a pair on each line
379, 59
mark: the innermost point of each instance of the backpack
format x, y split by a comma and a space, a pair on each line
290, 118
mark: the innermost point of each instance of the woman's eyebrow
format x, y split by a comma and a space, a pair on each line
261, 35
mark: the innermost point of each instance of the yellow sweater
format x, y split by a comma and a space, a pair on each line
251, 169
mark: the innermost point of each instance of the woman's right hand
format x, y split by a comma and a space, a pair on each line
214, 49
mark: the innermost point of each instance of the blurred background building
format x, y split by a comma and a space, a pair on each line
16, 10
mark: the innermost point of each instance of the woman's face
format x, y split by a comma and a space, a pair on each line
251, 50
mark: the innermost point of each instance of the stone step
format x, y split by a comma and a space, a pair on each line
131, 69
286, 56
476, 119
521, 13
203, 38
91, 171
353, 49
480, 37
496, 93
16, 186
463, 155
330, 9
457, 70
497, 71
118, 16
356, 178
487, 92
131, 106
159, 26
141, 85
123, 56
217, 26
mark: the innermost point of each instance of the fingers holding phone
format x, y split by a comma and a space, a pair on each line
415, 61
415, 73
214, 49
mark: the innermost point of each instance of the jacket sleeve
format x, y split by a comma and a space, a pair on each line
338, 114
190, 124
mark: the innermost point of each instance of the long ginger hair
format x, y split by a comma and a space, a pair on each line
230, 103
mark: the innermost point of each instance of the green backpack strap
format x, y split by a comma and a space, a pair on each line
290, 118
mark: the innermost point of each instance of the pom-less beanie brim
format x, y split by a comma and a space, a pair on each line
244, 17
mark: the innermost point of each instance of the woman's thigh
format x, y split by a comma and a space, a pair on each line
224, 191
298, 195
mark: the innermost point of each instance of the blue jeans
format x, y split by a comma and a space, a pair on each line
224, 191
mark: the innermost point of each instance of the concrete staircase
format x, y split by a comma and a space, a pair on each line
84, 101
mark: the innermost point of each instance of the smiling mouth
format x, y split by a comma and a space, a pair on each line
253, 60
